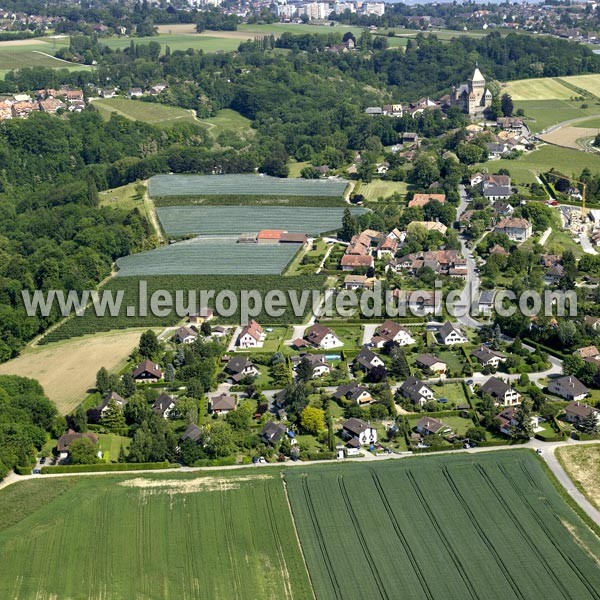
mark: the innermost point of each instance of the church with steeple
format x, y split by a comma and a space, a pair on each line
473, 98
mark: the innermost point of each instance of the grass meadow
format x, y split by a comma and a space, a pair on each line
148, 112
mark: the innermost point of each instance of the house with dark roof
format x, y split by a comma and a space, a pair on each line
272, 432
389, 332
576, 412
488, 357
416, 391
366, 360
317, 362
354, 392
186, 335
431, 426
485, 304
501, 392
192, 432
147, 372
240, 367
450, 335
164, 405
429, 362
568, 387
359, 433
223, 404
322, 337
65, 440
95, 414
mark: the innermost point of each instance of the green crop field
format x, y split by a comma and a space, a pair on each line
545, 88
480, 526
589, 83
546, 113
185, 286
234, 220
151, 537
19, 54
241, 185
524, 169
378, 188
230, 122
148, 112
491, 526
204, 256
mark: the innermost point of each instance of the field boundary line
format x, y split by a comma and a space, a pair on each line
287, 499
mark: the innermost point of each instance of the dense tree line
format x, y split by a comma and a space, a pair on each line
26, 418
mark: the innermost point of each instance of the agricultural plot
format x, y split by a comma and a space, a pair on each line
235, 220
203, 256
545, 88
379, 188
68, 370
153, 537
491, 526
148, 112
589, 83
546, 113
241, 185
582, 463
570, 137
188, 288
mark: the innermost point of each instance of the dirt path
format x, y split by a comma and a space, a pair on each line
151, 213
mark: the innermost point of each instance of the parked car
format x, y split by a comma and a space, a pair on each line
43, 460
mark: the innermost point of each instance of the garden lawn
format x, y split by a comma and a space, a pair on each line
111, 445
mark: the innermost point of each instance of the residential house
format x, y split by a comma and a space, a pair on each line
389, 332
419, 200
576, 412
251, 336
204, 314
350, 262
485, 304
65, 440
367, 360
95, 414
51, 105
272, 432
517, 230
587, 352
497, 249
488, 357
429, 226
431, 426
75, 96
503, 209
416, 302
322, 337
593, 322
387, 247
318, 363
193, 433
240, 367
186, 335
374, 111
21, 110
108, 92
450, 335
136, 92
416, 391
147, 372
354, 392
359, 433
508, 420
501, 392
510, 124
497, 150
443, 262
164, 405
357, 282
494, 193
223, 404
568, 387
429, 362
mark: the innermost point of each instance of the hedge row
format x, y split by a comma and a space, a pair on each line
108, 467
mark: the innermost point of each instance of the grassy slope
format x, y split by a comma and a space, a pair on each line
148, 112
151, 543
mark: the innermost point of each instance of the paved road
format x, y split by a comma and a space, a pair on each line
545, 236
469, 293
548, 455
